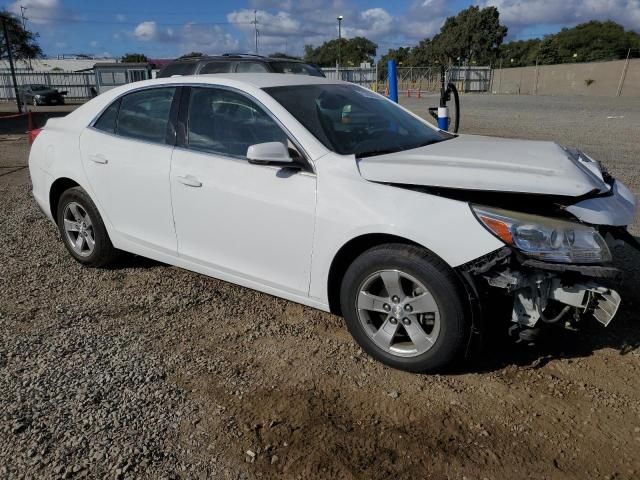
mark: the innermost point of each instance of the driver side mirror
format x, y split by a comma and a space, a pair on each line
270, 153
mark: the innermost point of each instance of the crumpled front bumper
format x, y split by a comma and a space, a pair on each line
547, 293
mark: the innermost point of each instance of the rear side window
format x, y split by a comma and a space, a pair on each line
107, 121
251, 67
216, 67
144, 115
178, 68
296, 68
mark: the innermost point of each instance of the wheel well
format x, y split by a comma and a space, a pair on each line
57, 189
346, 255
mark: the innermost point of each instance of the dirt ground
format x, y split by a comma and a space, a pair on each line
148, 371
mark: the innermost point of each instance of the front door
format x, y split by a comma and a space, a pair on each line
247, 221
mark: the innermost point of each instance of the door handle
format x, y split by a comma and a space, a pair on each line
99, 158
189, 181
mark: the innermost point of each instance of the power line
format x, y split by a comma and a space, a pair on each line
115, 22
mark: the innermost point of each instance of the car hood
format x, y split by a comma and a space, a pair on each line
472, 162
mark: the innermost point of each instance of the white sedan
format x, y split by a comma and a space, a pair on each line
330, 195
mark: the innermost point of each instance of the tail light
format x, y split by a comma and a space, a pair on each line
33, 134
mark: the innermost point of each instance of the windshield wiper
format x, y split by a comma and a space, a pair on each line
372, 153
383, 151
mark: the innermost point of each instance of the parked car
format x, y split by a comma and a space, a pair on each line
238, 63
332, 196
38, 94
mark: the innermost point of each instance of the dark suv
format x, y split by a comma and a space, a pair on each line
238, 63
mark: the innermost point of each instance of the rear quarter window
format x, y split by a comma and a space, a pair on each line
107, 121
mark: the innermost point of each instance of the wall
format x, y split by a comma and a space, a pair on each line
570, 79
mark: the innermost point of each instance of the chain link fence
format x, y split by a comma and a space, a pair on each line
78, 85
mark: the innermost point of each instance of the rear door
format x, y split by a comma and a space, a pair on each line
126, 155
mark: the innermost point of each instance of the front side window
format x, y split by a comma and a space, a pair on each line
251, 67
144, 115
224, 122
351, 120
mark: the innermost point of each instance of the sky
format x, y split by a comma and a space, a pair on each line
166, 28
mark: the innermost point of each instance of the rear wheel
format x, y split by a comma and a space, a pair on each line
406, 308
82, 230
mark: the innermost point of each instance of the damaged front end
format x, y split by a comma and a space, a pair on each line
552, 295
540, 293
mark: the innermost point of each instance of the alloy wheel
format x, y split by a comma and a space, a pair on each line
398, 313
79, 229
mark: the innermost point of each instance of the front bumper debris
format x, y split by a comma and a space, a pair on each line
547, 293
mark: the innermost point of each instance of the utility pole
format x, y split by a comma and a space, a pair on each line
255, 24
24, 20
10, 55
24, 27
340, 17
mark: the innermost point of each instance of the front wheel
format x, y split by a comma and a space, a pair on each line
406, 308
82, 230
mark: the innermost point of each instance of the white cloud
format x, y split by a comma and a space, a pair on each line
373, 23
40, 11
149, 31
94, 43
203, 38
297, 23
189, 37
554, 12
120, 17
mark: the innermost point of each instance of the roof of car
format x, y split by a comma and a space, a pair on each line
237, 56
258, 80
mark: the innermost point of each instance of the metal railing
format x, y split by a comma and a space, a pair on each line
417, 80
78, 85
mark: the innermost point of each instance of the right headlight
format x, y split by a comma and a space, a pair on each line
544, 238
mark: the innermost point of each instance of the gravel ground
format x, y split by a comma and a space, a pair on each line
148, 371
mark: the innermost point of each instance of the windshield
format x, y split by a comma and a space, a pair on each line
352, 120
36, 88
296, 68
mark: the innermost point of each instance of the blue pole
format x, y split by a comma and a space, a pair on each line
393, 80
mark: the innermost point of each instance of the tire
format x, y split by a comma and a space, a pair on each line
438, 307
94, 249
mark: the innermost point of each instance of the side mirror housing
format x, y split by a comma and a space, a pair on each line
270, 153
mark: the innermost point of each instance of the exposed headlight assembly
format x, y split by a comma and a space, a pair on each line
545, 238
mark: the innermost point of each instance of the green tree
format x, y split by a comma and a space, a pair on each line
522, 52
353, 52
283, 55
473, 35
192, 54
134, 58
24, 43
400, 55
587, 42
